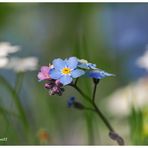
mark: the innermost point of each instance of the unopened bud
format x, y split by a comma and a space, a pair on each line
78, 105
116, 137
47, 86
58, 83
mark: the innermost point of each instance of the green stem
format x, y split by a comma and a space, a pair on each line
19, 81
91, 109
82, 93
94, 92
103, 118
98, 110
95, 106
76, 81
113, 135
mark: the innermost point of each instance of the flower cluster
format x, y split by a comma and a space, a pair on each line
63, 72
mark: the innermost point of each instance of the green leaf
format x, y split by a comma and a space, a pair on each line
136, 126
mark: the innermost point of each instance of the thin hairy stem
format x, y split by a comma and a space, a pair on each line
82, 93
76, 81
96, 109
113, 135
91, 109
103, 118
94, 92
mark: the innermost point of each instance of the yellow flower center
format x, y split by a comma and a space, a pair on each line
66, 71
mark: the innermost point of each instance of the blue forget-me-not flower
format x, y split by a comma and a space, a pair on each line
65, 70
98, 74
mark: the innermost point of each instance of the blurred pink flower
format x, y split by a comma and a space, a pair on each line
44, 73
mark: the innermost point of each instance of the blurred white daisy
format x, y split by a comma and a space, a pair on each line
6, 48
135, 94
3, 62
23, 64
142, 62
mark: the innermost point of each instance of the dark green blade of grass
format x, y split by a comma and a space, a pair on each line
136, 126
16, 99
8, 124
81, 51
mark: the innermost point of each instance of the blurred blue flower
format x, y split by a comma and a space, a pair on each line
65, 70
71, 101
98, 74
85, 65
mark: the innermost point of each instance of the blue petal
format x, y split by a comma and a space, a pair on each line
66, 79
59, 64
91, 65
77, 73
72, 62
98, 74
55, 74
87, 65
83, 65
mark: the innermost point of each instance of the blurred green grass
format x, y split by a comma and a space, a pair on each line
49, 31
